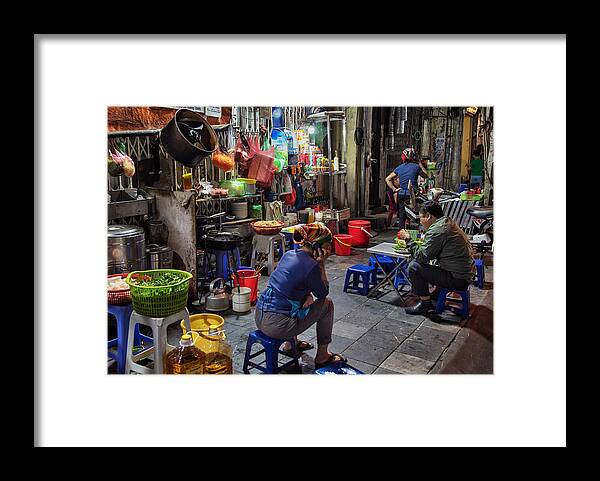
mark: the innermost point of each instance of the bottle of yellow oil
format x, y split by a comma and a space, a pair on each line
185, 359
217, 352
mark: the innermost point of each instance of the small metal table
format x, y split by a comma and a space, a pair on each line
387, 249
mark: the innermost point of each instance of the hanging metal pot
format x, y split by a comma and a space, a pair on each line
188, 138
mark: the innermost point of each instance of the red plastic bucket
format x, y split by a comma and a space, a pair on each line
342, 244
357, 228
248, 278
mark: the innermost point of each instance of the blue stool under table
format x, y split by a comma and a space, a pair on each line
360, 278
401, 278
271, 350
480, 279
464, 301
386, 262
122, 313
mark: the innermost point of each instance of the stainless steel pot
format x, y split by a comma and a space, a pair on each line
126, 249
159, 257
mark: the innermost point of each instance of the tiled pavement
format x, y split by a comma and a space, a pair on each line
378, 337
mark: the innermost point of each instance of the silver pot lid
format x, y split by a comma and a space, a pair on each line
124, 231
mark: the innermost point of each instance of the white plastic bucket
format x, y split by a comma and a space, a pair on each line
240, 299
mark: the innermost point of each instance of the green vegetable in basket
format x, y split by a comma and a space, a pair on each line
164, 279
158, 293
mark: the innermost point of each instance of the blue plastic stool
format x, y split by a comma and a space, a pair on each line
271, 351
223, 262
480, 266
360, 274
122, 314
464, 301
401, 278
386, 262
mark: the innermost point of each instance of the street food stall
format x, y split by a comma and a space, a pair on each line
203, 204
191, 197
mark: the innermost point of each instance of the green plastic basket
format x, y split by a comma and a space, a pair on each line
159, 301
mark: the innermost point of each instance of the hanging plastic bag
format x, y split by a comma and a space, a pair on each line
274, 210
223, 160
288, 199
266, 143
287, 182
293, 147
124, 162
281, 154
261, 167
299, 192
243, 155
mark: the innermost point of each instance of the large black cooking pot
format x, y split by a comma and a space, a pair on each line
188, 137
222, 241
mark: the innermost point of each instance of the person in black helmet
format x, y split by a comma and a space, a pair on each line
408, 171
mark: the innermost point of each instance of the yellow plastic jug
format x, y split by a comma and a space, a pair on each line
218, 353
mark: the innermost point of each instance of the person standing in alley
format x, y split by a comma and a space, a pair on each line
408, 171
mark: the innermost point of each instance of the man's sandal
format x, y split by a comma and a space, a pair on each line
332, 358
301, 346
